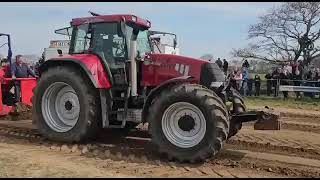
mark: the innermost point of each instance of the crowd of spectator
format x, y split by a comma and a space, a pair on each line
243, 81
295, 74
289, 73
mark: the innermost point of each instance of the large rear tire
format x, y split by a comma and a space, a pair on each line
65, 105
238, 107
188, 123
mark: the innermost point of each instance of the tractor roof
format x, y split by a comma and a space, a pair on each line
112, 18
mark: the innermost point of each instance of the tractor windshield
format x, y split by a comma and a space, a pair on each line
81, 39
108, 41
143, 41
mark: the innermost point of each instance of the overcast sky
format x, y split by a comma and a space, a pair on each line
207, 27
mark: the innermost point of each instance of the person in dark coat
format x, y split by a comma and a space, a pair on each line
225, 66
245, 64
20, 69
257, 83
250, 85
284, 75
276, 77
219, 63
297, 77
268, 76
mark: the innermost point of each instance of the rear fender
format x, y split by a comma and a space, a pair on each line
157, 90
91, 67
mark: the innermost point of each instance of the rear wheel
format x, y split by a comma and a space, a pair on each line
188, 123
65, 105
238, 107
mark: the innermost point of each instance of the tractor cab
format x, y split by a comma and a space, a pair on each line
116, 39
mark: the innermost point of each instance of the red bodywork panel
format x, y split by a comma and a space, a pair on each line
111, 18
167, 66
27, 86
94, 65
4, 110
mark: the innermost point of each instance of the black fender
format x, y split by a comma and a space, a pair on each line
71, 62
157, 90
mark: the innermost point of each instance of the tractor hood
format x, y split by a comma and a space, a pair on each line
176, 57
158, 68
171, 58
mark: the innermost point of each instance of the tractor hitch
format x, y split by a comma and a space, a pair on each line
266, 119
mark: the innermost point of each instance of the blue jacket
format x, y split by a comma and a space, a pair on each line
245, 74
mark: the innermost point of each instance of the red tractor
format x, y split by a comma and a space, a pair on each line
112, 80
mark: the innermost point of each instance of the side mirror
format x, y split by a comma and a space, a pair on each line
59, 52
175, 43
138, 57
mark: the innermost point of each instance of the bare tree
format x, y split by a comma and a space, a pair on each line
287, 33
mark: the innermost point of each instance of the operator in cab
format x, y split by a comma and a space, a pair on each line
20, 69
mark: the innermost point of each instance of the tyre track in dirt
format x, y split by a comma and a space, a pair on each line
301, 126
298, 124
139, 151
140, 166
246, 139
285, 142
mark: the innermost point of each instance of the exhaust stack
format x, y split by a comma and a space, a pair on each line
133, 51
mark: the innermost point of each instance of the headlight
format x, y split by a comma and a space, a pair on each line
134, 19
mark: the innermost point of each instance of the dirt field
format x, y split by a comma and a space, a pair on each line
294, 151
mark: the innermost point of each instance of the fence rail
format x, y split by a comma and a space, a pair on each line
299, 88
280, 85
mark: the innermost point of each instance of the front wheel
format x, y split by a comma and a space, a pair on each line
188, 123
238, 107
65, 107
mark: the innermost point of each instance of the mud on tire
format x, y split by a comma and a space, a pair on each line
215, 117
238, 107
87, 125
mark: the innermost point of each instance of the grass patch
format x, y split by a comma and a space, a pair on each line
292, 103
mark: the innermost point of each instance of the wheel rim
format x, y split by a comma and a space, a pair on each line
60, 107
183, 124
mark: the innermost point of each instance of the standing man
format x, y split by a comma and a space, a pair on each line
276, 77
20, 69
245, 64
245, 77
219, 63
257, 83
297, 77
268, 76
225, 66
250, 85
284, 75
